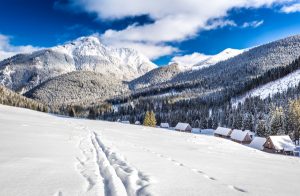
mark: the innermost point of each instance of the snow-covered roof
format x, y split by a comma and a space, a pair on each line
239, 135
164, 125
222, 131
182, 126
282, 142
137, 122
258, 143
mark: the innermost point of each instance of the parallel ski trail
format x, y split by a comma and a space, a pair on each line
120, 178
102, 167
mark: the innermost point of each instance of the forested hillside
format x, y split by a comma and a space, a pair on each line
8, 97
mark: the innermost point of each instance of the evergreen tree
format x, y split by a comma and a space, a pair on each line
92, 113
248, 122
210, 123
237, 121
152, 119
149, 119
261, 129
294, 119
277, 122
203, 123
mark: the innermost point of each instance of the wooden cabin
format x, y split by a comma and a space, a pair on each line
223, 132
164, 125
240, 136
186, 127
279, 144
258, 143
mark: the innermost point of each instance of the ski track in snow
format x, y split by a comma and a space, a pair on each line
112, 170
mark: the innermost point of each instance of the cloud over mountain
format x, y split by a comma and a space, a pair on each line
173, 20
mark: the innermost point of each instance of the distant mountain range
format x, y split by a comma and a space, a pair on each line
25, 71
84, 70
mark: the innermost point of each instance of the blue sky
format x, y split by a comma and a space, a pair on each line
161, 29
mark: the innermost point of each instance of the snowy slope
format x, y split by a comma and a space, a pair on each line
271, 88
214, 59
42, 154
25, 71
197, 61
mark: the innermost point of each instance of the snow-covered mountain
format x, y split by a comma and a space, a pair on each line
197, 61
214, 59
25, 71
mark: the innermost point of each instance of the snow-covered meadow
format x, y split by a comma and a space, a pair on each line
43, 154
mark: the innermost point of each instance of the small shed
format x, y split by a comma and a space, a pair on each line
137, 122
258, 143
183, 127
279, 144
240, 136
223, 132
164, 125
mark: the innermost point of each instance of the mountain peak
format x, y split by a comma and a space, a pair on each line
82, 54
222, 56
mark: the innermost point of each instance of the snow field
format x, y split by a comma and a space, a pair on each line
43, 154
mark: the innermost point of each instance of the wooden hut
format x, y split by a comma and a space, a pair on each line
164, 125
240, 136
183, 127
258, 143
223, 132
279, 144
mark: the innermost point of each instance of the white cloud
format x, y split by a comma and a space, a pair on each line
174, 20
7, 50
190, 59
253, 24
291, 8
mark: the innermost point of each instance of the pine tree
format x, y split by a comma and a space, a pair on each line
237, 121
248, 122
277, 123
149, 119
153, 119
261, 129
209, 123
203, 123
92, 113
294, 119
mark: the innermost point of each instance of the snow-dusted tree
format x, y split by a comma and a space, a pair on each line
294, 119
248, 122
237, 121
203, 123
210, 123
215, 123
261, 129
277, 121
